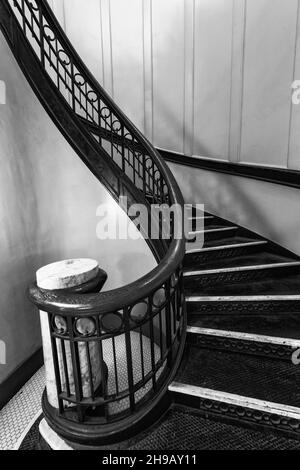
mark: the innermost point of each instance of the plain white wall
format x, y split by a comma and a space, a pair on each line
48, 203
268, 209
210, 78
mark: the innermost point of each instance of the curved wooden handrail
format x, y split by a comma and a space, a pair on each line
28, 22
118, 297
104, 302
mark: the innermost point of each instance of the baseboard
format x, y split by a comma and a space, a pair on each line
281, 176
20, 376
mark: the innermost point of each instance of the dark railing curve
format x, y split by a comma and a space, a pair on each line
115, 352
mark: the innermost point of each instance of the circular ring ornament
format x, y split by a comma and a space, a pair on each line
139, 312
49, 34
112, 322
63, 57
60, 325
159, 298
85, 326
105, 113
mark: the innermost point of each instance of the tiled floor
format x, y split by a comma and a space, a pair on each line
20, 411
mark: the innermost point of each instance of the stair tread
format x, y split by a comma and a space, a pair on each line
232, 240
255, 259
281, 285
183, 428
284, 325
260, 378
216, 226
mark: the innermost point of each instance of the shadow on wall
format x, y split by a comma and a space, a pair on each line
268, 209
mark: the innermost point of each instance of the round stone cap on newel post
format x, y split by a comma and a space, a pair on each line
73, 276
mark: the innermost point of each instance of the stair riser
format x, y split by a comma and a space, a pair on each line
196, 260
255, 307
214, 236
240, 415
253, 348
193, 284
206, 223
285, 325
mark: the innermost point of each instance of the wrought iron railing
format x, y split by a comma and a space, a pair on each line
114, 353
100, 116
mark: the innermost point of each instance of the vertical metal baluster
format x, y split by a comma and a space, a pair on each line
56, 367
169, 325
50, 54
65, 363
41, 37
182, 298
129, 359
162, 199
144, 175
123, 148
93, 110
86, 103
57, 64
24, 17
103, 378
160, 334
139, 169
133, 165
153, 363
76, 370
115, 365
142, 353
178, 296
153, 180
73, 86
90, 369
80, 97
99, 120
65, 70
96, 111
174, 314
111, 137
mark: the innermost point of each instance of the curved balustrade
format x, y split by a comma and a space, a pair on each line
114, 353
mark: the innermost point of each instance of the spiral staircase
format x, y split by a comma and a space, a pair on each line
209, 339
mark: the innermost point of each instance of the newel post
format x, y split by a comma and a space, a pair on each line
69, 277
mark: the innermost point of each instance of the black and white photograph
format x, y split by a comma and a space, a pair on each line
149, 228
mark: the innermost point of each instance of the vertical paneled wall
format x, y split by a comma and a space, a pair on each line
200, 77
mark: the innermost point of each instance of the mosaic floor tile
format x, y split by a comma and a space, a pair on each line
20, 411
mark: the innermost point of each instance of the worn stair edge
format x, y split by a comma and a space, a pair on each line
226, 247
254, 305
202, 217
238, 408
241, 298
212, 230
260, 267
243, 343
